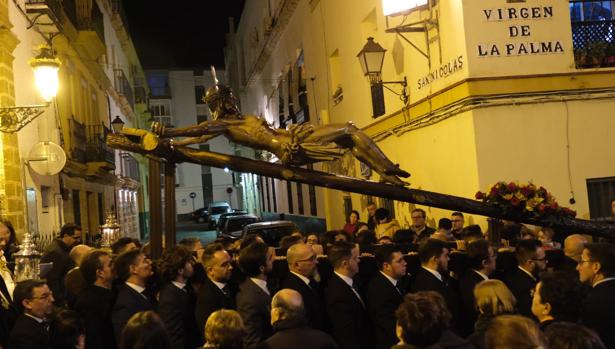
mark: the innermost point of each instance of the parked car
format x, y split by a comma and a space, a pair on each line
201, 215
272, 232
224, 216
233, 226
215, 209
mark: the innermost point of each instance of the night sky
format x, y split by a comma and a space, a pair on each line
180, 34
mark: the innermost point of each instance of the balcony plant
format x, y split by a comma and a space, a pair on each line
610, 54
596, 52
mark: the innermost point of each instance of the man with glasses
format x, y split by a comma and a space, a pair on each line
217, 292
31, 330
597, 269
422, 231
531, 260
458, 221
58, 253
302, 263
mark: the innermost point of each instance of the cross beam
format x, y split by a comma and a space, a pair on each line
331, 181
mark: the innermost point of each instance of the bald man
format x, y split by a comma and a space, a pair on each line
74, 282
290, 325
573, 248
302, 263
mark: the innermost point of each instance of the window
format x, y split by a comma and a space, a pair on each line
199, 94
600, 192
289, 191
300, 198
275, 199
591, 10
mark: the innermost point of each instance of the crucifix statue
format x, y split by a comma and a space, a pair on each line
296, 146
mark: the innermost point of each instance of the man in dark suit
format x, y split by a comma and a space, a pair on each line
597, 268
290, 325
482, 263
433, 274
216, 292
419, 225
58, 253
31, 330
531, 261
176, 300
384, 294
133, 268
302, 263
256, 261
345, 305
94, 303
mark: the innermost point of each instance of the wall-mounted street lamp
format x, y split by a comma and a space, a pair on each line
371, 58
45, 66
117, 124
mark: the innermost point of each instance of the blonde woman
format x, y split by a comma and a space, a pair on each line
493, 299
224, 329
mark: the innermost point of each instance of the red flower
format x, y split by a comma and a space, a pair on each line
554, 205
493, 191
515, 201
541, 207
526, 191
512, 186
479, 195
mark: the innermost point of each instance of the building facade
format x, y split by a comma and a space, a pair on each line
177, 100
498, 90
82, 35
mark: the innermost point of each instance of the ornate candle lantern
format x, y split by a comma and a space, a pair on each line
110, 231
27, 260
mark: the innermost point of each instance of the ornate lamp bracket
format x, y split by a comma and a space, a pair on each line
13, 119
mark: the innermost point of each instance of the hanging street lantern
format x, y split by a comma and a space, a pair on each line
46, 67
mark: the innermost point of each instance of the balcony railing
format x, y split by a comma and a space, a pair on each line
96, 147
50, 8
593, 34
122, 85
78, 140
130, 166
86, 16
118, 8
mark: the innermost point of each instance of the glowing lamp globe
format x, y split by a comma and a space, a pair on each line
46, 67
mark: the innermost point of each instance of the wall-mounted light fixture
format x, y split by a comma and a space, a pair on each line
45, 66
117, 124
371, 58
394, 8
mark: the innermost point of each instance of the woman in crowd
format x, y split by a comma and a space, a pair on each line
352, 223
312, 239
145, 330
493, 299
224, 330
8, 240
514, 331
557, 297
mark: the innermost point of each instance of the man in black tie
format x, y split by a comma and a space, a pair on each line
176, 300
254, 297
133, 268
345, 306
302, 263
94, 303
31, 330
597, 268
216, 292
531, 260
385, 294
433, 274
482, 262
58, 253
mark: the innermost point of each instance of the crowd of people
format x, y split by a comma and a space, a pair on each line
368, 285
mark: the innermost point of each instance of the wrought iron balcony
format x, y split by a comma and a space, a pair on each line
129, 167
77, 140
593, 33
86, 16
122, 85
48, 14
96, 147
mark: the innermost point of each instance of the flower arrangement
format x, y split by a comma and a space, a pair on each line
524, 198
